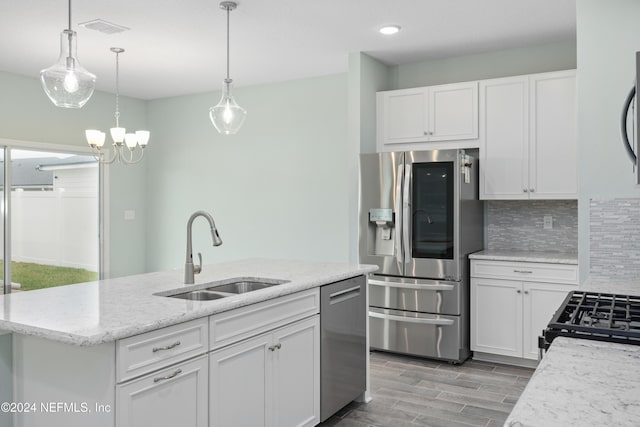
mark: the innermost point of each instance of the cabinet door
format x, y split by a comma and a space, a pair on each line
540, 301
504, 118
402, 115
553, 140
453, 111
297, 374
239, 386
176, 396
496, 316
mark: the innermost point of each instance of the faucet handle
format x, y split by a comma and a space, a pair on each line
198, 267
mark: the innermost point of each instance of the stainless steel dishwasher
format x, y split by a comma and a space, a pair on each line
343, 344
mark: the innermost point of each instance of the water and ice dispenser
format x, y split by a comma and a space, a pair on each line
382, 231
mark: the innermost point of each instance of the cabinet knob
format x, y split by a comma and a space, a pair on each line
426, 133
524, 190
519, 291
526, 292
532, 190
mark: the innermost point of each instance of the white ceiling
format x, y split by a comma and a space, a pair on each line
177, 47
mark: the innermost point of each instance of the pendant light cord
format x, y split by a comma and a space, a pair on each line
70, 34
117, 89
228, 12
69, 15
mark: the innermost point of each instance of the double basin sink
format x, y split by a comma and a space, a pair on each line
221, 289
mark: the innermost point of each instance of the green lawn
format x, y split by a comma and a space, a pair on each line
37, 276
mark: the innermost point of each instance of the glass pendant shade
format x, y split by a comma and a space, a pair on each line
67, 83
118, 134
227, 116
95, 138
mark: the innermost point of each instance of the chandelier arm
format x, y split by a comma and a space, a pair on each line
100, 158
130, 160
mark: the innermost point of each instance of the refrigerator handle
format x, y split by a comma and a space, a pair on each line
399, 219
406, 211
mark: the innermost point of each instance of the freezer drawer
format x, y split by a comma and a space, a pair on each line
423, 295
419, 334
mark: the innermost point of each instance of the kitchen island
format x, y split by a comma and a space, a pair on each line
582, 382
95, 352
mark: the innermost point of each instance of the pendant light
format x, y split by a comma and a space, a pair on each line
67, 83
119, 135
227, 116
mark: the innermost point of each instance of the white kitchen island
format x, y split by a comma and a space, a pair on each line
111, 353
582, 382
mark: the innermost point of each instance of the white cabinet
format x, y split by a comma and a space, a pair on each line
528, 142
280, 379
427, 114
175, 396
512, 302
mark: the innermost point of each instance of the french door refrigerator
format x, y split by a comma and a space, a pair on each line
420, 217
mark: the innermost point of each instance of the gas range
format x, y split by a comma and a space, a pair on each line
595, 316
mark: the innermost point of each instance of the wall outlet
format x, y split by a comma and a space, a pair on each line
547, 221
129, 215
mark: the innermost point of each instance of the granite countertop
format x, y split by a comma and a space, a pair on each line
102, 311
583, 382
527, 256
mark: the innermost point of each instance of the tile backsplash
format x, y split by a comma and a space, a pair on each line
614, 238
518, 225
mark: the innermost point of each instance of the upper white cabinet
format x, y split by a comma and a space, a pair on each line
427, 115
528, 142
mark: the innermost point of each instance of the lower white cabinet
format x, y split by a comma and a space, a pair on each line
175, 396
272, 379
508, 314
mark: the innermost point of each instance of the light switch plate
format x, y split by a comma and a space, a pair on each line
547, 222
129, 215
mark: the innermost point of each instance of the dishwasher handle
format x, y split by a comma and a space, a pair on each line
423, 321
344, 295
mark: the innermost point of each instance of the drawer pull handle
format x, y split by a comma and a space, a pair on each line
168, 377
275, 347
166, 347
523, 271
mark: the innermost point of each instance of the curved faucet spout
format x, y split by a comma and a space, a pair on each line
189, 268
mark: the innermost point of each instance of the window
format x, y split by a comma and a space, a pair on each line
53, 215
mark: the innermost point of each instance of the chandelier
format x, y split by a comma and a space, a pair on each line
124, 144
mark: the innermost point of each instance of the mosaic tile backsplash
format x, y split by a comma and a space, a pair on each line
518, 225
614, 238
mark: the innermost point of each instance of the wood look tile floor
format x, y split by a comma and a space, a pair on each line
414, 392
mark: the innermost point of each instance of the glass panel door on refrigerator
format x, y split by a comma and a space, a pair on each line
432, 210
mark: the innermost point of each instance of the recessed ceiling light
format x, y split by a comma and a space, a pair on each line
389, 29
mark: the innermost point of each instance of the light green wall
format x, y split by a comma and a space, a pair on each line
278, 188
26, 114
488, 65
608, 38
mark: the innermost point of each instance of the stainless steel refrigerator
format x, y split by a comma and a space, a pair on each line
420, 217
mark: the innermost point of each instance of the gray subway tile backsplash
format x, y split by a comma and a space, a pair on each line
518, 225
614, 238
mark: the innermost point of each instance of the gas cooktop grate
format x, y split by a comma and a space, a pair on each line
595, 316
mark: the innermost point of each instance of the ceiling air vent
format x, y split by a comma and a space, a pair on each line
104, 26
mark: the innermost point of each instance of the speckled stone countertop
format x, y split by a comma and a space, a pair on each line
582, 382
526, 256
102, 311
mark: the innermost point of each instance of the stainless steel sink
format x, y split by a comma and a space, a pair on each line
221, 289
199, 295
241, 287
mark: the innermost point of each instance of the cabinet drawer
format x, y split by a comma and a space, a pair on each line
232, 326
525, 271
144, 353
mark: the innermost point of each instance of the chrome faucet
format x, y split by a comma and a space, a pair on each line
189, 269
